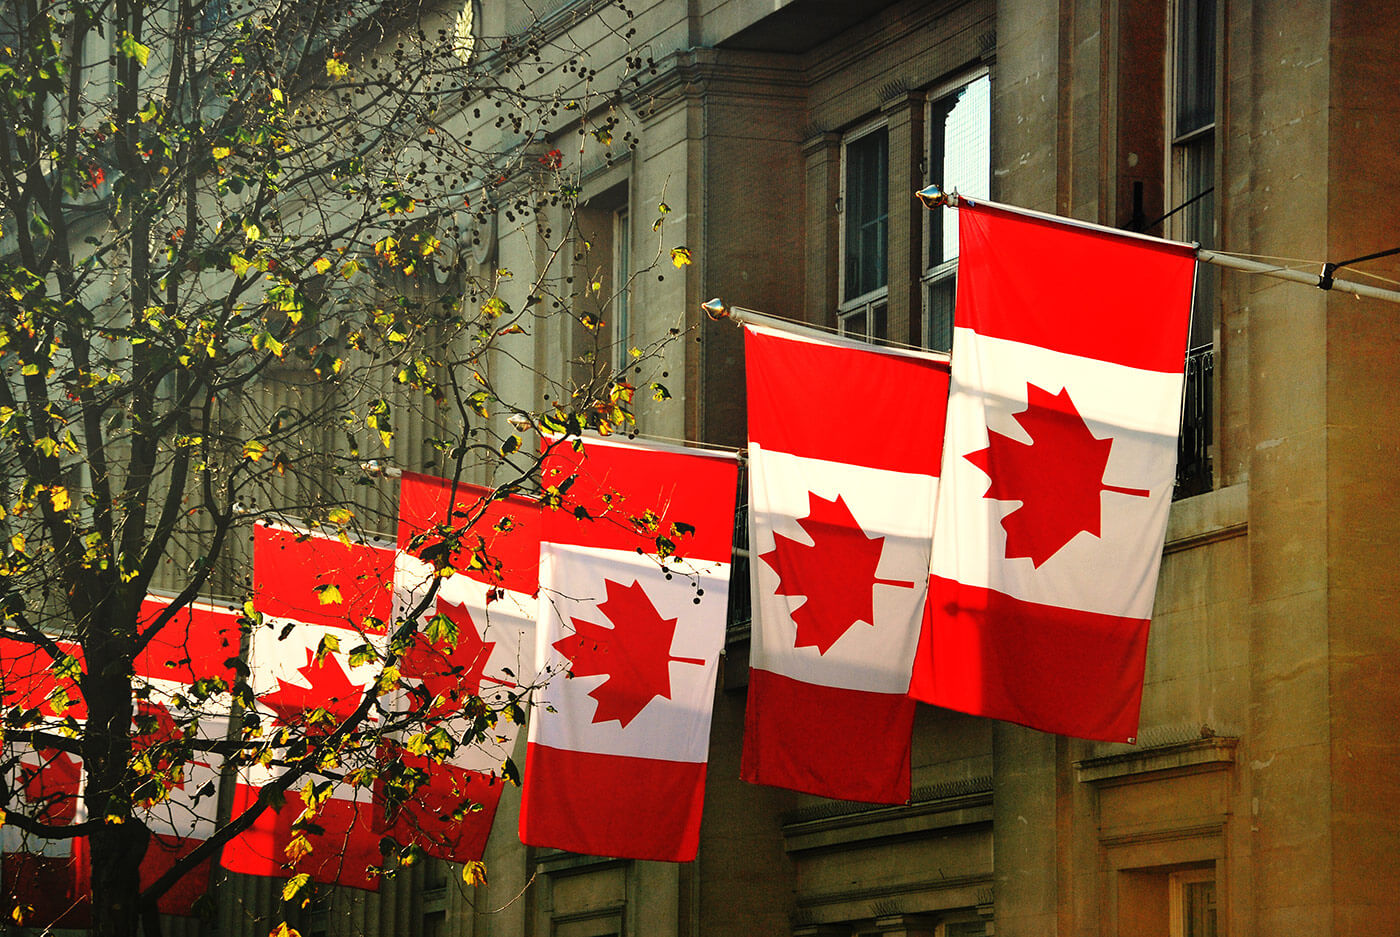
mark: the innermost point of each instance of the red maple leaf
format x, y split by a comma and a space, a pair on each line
836, 573
634, 654
328, 688
160, 731
52, 785
451, 672
1057, 476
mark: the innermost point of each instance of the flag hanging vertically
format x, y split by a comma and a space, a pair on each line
325, 606
1068, 349
470, 667
184, 674
844, 442
42, 877
634, 581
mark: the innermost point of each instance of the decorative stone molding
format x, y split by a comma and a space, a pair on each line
1203, 752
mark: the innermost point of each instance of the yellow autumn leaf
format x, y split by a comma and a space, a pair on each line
254, 450
222, 152
335, 68
294, 885
680, 256
60, 498
321, 264
474, 872
328, 594
341, 516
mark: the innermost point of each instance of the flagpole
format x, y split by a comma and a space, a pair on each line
934, 197
719, 311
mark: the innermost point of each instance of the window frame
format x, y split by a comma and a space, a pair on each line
934, 274
1177, 885
621, 276
1186, 148
873, 304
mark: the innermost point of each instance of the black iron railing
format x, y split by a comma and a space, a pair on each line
740, 598
1193, 468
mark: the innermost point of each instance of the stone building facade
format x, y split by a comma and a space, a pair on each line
787, 139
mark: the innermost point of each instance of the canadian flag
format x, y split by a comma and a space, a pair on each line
844, 442
470, 667
325, 605
634, 583
1068, 348
184, 674
42, 878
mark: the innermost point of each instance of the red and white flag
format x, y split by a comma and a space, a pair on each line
1068, 348
325, 608
467, 672
184, 674
634, 585
196, 647
844, 442
42, 877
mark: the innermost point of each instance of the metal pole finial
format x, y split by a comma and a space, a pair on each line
932, 196
716, 309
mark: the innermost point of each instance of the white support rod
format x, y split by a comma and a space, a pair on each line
933, 197
717, 310
740, 316
1296, 276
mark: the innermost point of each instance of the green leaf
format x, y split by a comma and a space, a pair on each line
330, 644
364, 654
396, 202
441, 630
134, 50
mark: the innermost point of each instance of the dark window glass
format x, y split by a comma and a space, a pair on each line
867, 207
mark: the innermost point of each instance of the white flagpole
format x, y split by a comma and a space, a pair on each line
934, 197
718, 310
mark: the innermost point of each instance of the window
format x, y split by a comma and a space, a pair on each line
865, 203
1192, 897
602, 259
1192, 191
621, 278
959, 159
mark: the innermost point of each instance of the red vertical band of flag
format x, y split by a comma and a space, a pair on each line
298, 565
504, 535
840, 534
344, 848
634, 579
200, 641
1057, 473
658, 818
